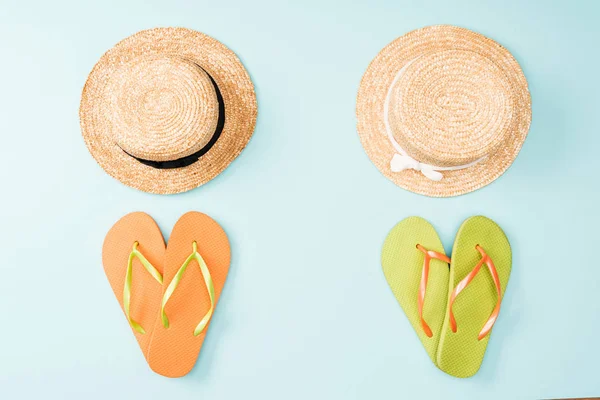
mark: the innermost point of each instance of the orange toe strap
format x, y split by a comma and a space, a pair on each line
429, 254
485, 259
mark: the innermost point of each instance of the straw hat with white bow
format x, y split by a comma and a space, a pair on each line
443, 111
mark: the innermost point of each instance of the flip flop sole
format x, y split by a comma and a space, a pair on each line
174, 350
146, 292
402, 266
460, 354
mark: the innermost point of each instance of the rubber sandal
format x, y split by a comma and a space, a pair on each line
479, 273
196, 266
416, 268
132, 256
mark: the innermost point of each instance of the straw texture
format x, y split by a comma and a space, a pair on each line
152, 96
455, 97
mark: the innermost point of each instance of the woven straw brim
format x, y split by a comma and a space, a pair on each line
218, 61
380, 75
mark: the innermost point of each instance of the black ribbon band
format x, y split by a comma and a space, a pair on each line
192, 158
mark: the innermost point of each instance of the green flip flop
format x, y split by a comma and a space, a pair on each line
479, 272
416, 268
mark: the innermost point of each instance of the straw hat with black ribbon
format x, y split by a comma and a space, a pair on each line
443, 111
167, 109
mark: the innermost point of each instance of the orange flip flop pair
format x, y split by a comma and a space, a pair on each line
168, 293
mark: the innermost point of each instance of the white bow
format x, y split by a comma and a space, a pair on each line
400, 163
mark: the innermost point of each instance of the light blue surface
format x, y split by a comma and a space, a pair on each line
306, 312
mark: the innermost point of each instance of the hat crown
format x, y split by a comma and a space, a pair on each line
450, 107
163, 107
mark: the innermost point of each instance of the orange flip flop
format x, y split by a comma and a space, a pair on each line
133, 256
195, 268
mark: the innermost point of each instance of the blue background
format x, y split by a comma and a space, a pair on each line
306, 311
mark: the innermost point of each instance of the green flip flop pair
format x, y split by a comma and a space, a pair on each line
451, 302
